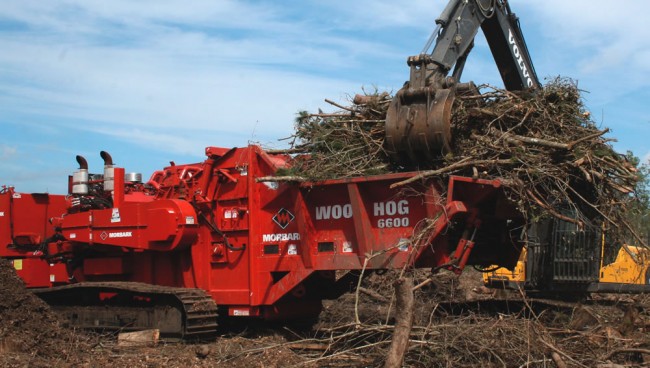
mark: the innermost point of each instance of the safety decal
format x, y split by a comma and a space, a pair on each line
115, 215
283, 218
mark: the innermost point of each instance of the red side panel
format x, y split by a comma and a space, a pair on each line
34, 271
162, 225
24, 220
24, 226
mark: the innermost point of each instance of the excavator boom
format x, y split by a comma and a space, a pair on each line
418, 120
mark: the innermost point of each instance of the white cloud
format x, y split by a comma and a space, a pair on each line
144, 91
172, 77
76, 15
615, 34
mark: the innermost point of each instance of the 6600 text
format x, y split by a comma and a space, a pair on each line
393, 222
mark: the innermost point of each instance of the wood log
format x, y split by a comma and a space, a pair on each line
403, 322
513, 138
138, 338
286, 151
459, 165
280, 179
557, 359
368, 99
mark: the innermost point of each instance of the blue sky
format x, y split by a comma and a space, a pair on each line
154, 81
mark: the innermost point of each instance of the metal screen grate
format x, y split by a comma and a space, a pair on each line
575, 253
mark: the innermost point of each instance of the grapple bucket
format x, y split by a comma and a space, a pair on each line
418, 124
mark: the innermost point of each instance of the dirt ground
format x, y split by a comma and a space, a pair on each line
457, 322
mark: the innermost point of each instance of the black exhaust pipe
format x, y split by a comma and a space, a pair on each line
83, 164
108, 160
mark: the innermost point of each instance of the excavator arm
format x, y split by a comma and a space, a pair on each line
509, 49
418, 120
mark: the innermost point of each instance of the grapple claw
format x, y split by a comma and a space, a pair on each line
418, 124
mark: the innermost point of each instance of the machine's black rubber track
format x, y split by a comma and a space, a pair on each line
192, 312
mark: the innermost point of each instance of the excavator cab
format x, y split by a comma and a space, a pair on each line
418, 121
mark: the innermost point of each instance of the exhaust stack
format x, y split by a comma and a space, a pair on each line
109, 172
80, 177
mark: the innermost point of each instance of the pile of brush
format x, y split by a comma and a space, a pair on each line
545, 148
346, 143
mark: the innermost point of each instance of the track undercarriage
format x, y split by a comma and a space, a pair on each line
177, 312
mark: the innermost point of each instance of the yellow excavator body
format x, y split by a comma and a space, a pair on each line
630, 272
632, 266
500, 276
